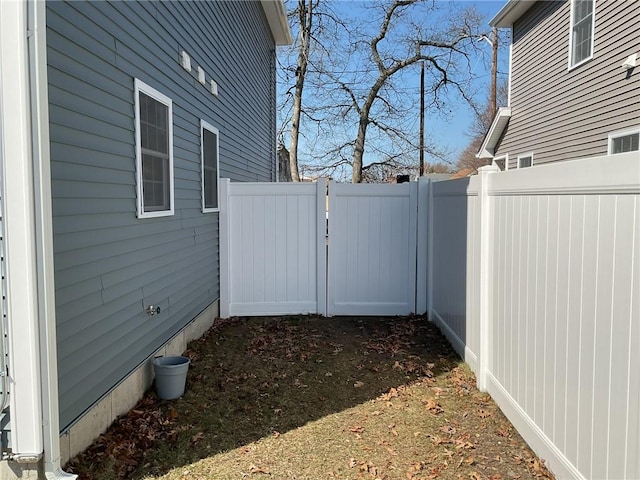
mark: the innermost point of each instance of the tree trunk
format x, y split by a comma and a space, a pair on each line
305, 13
358, 151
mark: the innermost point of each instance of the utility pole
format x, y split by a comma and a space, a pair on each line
422, 118
494, 72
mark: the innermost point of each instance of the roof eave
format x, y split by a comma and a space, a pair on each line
276, 14
488, 147
511, 11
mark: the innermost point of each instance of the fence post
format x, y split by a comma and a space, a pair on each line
223, 231
321, 238
485, 275
422, 253
429, 248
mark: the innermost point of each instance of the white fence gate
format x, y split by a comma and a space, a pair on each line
372, 249
289, 248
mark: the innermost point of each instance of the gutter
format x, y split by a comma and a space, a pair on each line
38, 84
510, 12
276, 14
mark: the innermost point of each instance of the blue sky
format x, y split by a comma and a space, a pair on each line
453, 131
448, 129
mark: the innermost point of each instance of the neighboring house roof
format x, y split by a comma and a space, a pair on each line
276, 14
491, 139
511, 11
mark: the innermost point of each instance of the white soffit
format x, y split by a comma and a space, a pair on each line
508, 14
276, 14
488, 147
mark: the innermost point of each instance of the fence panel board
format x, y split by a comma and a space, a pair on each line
455, 238
372, 249
272, 261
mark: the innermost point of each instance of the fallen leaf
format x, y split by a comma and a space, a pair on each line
482, 413
172, 415
433, 406
358, 384
392, 393
357, 429
448, 429
256, 469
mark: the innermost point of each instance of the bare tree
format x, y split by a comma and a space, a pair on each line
467, 159
316, 25
351, 71
441, 50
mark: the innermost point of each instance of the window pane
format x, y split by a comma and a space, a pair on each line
155, 183
210, 168
582, 30
582, 9
582, 40
525, 162
154, 142
626, 143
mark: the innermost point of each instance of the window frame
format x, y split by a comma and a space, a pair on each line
141, 87
621, 133
525, 155
573, 64
504, 157
207, 126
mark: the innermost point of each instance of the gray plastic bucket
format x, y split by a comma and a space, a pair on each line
171, 376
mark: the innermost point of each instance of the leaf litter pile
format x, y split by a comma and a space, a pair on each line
316, 398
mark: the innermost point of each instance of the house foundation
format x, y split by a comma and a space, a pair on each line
128, 392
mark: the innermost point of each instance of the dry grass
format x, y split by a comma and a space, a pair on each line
316, 398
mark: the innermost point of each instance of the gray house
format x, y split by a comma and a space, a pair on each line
573, 82
117, 120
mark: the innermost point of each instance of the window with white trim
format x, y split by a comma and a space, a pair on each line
525, 161
582, 25
154, 151
502, 162
624, 141
209, 154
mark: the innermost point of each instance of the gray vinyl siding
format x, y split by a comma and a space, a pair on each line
561, 114
109, 265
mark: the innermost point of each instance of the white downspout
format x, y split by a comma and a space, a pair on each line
44, 238
19, 242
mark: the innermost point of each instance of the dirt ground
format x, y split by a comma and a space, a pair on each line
317, 398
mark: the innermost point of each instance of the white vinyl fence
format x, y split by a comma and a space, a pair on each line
289, 248
536, 281
532, 274
372, 245
272, 248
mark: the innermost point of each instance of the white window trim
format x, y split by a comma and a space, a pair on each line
525, 155
593, 35
207, 126
618, 134
504, 157
140, 86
